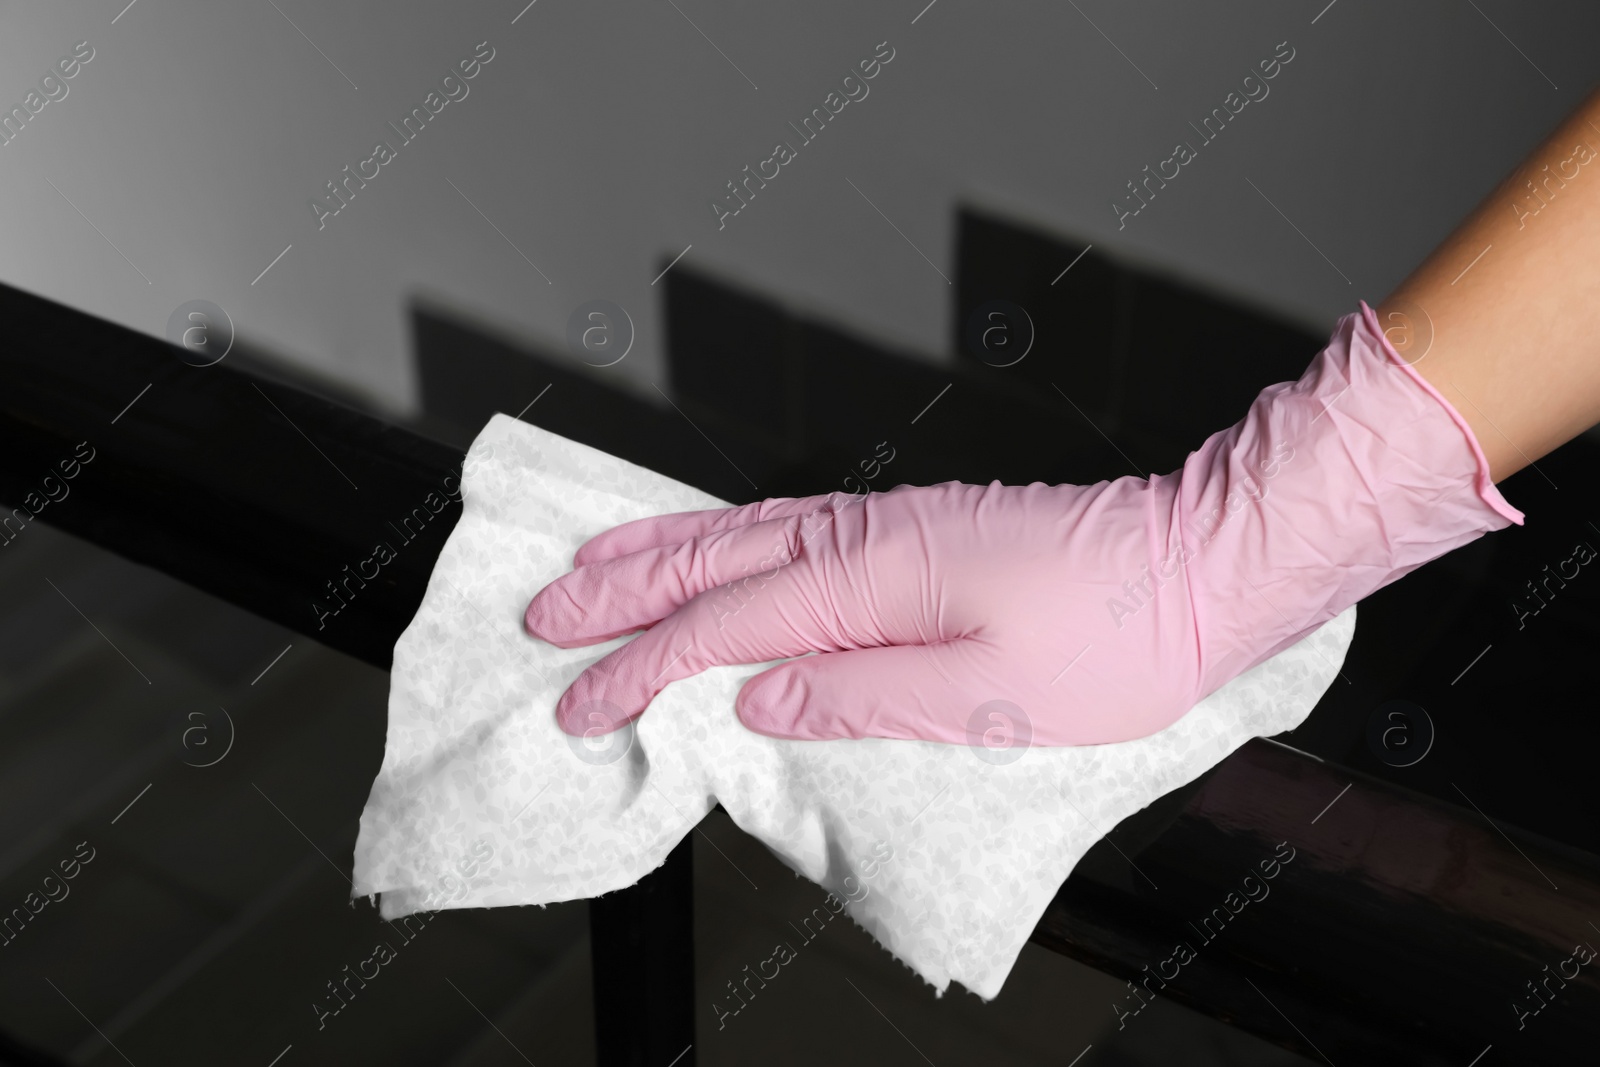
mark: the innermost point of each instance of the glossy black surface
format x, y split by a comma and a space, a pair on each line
264, 495
258, 493
1403, 930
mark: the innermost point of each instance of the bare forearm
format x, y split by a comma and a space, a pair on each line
1512, 303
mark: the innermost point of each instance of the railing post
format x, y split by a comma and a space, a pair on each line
641, 940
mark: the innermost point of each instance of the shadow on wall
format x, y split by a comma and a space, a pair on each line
1070, 367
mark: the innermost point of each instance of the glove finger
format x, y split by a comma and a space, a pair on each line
664, 530
762, 620
612, 597
934, 692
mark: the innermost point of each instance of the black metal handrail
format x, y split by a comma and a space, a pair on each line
1402, 930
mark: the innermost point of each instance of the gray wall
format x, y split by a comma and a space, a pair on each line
594, 140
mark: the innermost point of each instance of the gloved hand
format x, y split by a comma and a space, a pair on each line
1077, 614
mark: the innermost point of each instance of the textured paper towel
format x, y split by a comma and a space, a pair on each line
482, 801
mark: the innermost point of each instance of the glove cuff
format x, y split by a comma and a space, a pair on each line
1484, 484
1330, 488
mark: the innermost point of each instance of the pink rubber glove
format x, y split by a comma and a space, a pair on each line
1092, 613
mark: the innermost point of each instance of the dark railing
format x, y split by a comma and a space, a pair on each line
262, 495
1402, 930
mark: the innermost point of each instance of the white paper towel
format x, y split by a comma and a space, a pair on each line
947, 858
